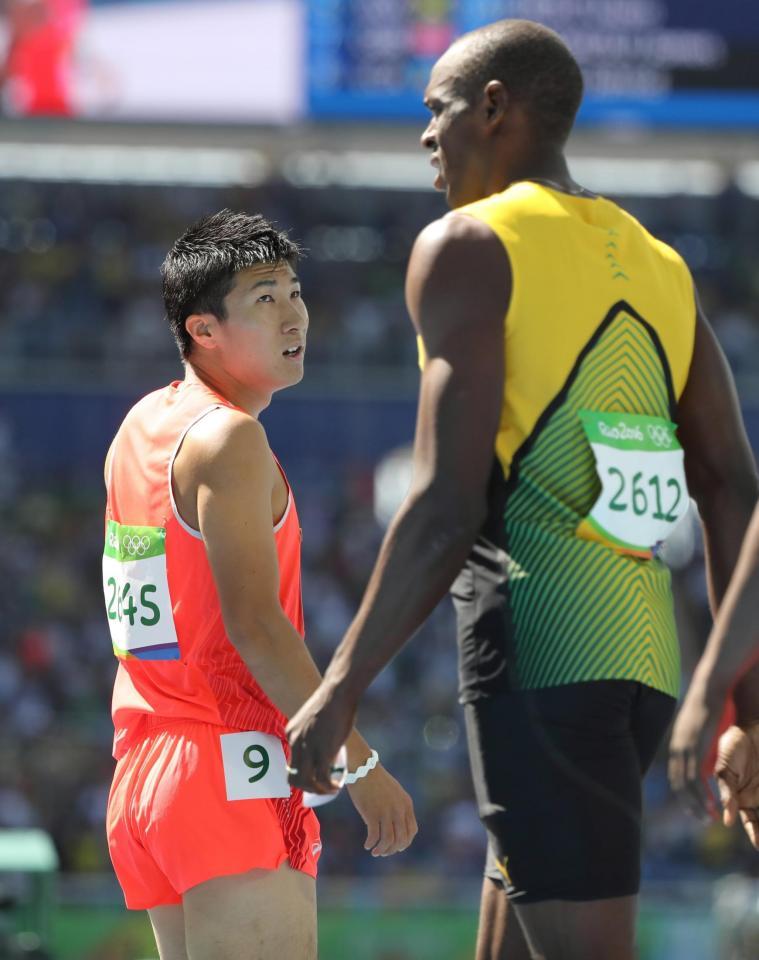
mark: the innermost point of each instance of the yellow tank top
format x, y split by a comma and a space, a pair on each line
601, 318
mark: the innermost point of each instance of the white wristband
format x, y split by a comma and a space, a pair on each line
365, 768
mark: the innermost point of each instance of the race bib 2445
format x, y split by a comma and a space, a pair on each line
136, 592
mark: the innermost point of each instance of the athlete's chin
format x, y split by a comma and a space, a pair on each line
294, 375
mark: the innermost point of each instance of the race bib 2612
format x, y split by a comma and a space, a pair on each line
639, 462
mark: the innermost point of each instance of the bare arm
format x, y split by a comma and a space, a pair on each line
458, 292
719, 464
234, 482
732, 651
234, 476
722, 478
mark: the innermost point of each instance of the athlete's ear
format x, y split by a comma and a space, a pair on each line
495, 102
201, 327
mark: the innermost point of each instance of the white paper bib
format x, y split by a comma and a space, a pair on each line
136, 588
255, 767
644, 493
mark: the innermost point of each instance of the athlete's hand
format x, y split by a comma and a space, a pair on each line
387, 810
316, 733
737, 773
692, 738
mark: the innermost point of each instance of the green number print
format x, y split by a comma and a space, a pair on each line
614, 503
126, 606
639, 501
111, 582
153, 619
670, 515
655, 482
261, 765
639, 498
131, 607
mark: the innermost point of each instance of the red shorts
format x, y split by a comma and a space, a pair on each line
170, 824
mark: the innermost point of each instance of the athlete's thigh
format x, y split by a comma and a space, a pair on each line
259, 915
652, 715
580, 930
168, 928
499, 935
557, 781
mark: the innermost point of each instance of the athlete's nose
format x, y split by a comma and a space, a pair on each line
296, 320
427, 139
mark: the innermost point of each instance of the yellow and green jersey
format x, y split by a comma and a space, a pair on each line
564, 585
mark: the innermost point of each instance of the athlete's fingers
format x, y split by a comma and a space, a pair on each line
685, 778
412, 827
372, 833
386, 840
676, 770
697, 788
308, 772
729, 802
401, 834
751, 826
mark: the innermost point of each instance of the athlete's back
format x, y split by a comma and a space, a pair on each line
598, 341
175, 658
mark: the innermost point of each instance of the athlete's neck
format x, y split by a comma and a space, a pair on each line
227, 387
546, 167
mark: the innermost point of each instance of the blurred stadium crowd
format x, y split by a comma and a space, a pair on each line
81, 310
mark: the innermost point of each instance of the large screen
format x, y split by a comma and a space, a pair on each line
164, 60
675, 63
661, 62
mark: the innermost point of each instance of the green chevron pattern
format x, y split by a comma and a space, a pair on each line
582, 611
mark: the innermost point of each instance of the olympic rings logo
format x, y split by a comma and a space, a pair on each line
136, 546
660, 436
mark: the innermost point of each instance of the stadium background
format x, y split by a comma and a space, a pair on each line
124, 121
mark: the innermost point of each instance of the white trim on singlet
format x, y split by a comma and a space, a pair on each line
182, 522
111, 455
281, 522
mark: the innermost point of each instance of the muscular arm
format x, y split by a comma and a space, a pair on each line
227, 466
719, 464
722, 478
458, 291
732, 651
233, 475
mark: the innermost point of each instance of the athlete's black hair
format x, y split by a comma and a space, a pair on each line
535, 66
199, 270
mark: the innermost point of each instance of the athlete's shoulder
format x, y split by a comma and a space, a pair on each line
455, 243
226, 430
660, 247
457, 263
457, 226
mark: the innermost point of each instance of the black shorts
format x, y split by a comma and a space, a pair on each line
557, 773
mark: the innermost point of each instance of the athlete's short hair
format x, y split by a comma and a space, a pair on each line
199, 270
535, 66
